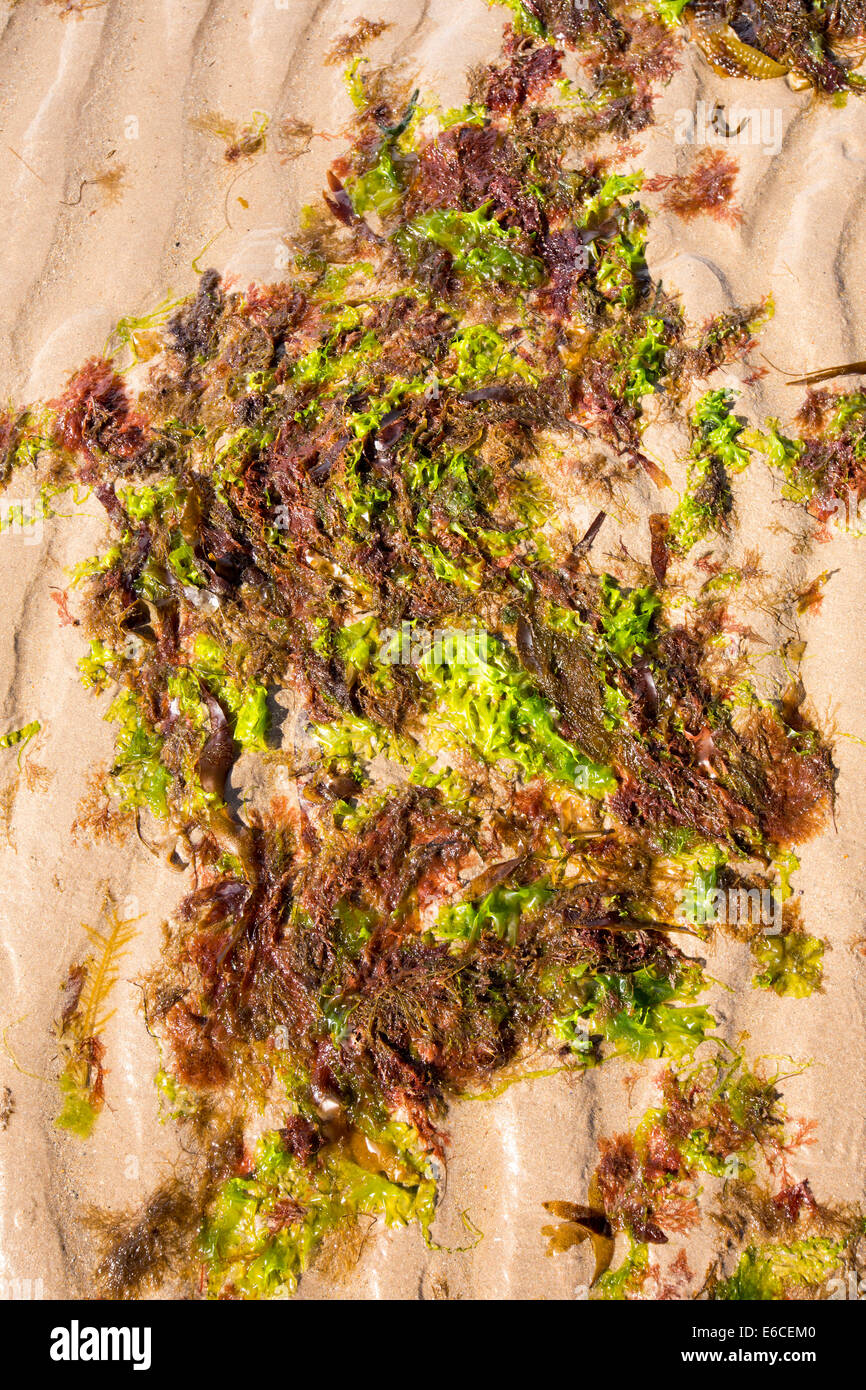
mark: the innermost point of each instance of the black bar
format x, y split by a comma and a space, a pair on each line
199, 1339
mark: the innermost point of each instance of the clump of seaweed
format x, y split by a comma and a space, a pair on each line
823, 466
707, 188
790, 964
349, 45
241, 139
83, 1018
724, 1120
813, 45
508, 767
716, 452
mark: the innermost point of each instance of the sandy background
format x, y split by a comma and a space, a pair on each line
75, 259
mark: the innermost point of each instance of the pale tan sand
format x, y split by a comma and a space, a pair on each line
70, 91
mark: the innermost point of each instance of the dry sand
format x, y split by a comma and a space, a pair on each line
121, 87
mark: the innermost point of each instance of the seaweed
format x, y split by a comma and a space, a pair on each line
83, 1019
479, 247
822, 467
716, 452
241, 139
263, 1229
708, 187
109, 180
791, 964
503, 769
760, 40
349, 45
20, 738
144, 1248
771, 1272
723, 1119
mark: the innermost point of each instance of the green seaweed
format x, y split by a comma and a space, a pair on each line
499, 911
502, 717
483, 250
137, 774
716, 447
640, 1015
264, 1230
771, 1272
790, 964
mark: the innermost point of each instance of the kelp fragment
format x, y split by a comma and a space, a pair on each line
577, 1224
728, 56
